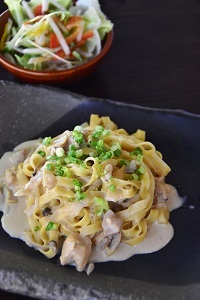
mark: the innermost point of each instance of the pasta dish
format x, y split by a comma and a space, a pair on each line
90, 194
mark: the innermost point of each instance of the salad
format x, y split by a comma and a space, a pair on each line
49, 35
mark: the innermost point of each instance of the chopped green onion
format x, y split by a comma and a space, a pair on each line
78, 136
78, 128
79, 153
67, 160
115, 147
52, 157
99, 130
136, 177
140, 170
59, 172
117, 152
96, 134
42, 153
123, 162
37, 228
80, 195
50, 226
47, 141
59, 162
49, 167
106, 155
73, 160
78, 183
137, 151
55, 226
105, 132
82, 166
139, 157
102, 205
66, 172
60, 152
100, 146
112, 187
72, 148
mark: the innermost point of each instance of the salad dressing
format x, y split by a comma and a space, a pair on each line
15, 221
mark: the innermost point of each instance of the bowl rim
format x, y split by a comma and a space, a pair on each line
107, 44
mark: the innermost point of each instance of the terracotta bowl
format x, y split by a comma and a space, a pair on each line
68, 76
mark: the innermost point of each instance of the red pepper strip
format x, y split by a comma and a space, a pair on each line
53, 41
73, 21
88, 34
72, 36
37, 10
62, 54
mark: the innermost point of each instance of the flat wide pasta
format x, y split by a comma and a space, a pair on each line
93, 188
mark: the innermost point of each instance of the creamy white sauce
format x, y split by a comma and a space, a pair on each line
15, 221
158, 236
28, 144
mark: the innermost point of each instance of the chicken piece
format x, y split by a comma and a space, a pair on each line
49, 180
108, 171
18, 157
61, 140
11, 180
110, 237
33, 183
111, 223
76, 250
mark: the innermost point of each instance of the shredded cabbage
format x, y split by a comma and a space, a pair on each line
53, 34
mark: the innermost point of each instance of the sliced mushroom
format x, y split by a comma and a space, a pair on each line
109, 238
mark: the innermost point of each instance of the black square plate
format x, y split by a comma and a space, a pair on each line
27, 112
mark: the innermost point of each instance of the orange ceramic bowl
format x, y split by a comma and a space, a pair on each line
68, 76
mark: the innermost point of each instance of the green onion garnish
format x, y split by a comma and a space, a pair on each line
58, 172
66, 172
79, 153
50, 226
77, 183
123, 162
112, 187
102, 205
117, 152
42, 153
140, 170
136, 177
80, 195
98, 132
78, 136
47, 141
137, 151
106, 155
60, 152
37, 228
139, 157
49, 167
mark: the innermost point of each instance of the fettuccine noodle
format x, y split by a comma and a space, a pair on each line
93, 187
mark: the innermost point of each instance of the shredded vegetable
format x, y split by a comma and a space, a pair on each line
48, 35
